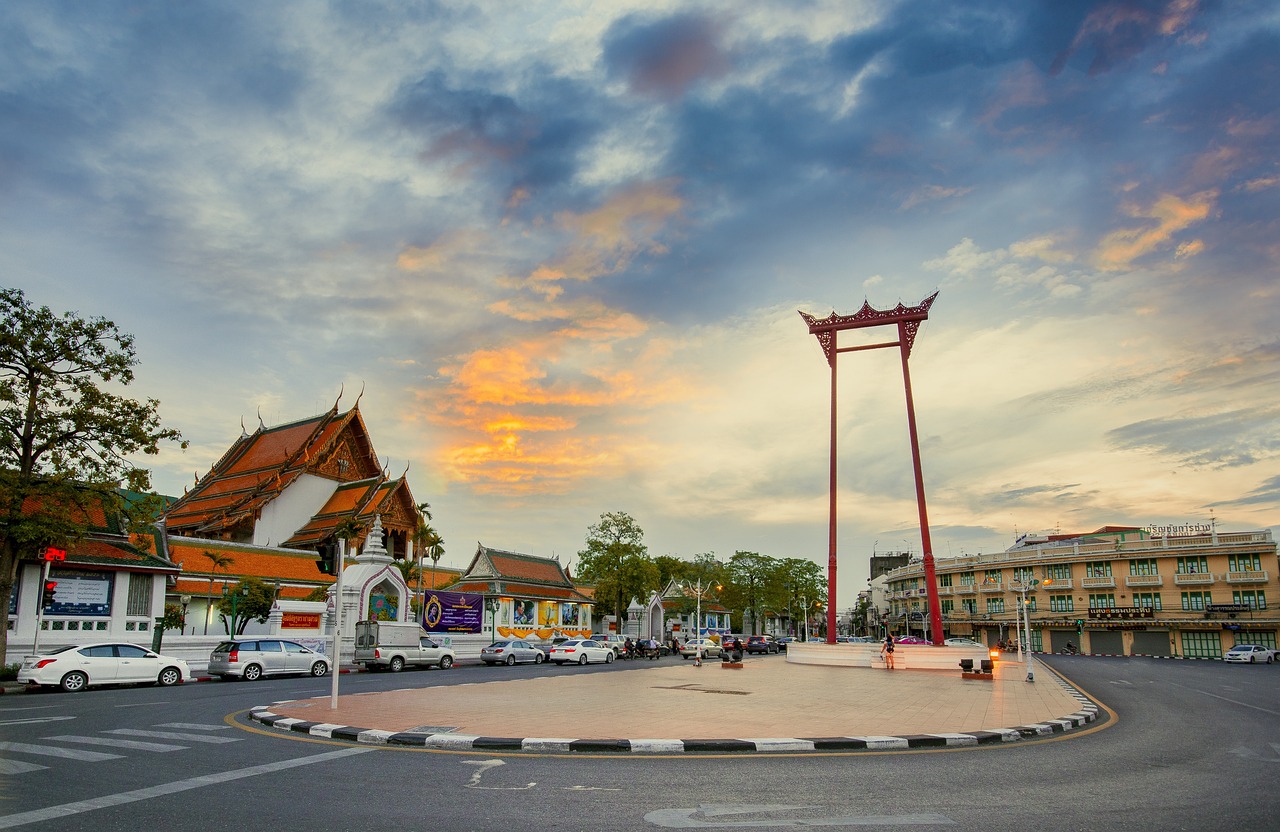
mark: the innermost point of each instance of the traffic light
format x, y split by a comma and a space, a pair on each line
1079, 626
327, 557
54, 553
46, 598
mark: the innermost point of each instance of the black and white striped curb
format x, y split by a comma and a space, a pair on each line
448, 741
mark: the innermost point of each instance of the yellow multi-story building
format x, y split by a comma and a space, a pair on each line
1191, 592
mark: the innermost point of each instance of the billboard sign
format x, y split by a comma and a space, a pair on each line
453, 612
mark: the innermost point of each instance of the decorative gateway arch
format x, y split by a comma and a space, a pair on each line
908, 320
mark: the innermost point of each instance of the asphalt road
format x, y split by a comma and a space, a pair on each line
1196, 745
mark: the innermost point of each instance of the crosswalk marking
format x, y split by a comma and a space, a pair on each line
194, 726
115, 743
170, 735
18, 767
51, 751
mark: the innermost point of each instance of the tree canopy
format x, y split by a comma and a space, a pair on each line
616, 561
67, 441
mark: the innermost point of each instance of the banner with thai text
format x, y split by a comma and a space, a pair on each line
453, 612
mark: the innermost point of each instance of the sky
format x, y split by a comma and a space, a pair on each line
558, 250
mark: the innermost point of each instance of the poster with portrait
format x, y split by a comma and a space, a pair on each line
569, 615
522, 612
453, 612
549, 614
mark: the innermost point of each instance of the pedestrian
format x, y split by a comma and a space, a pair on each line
886, 652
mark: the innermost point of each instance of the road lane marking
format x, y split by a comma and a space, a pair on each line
684, 818
171, 735
19, 767
65, 753
109, 801
115, 743
1226, 699
194, 726
35, 720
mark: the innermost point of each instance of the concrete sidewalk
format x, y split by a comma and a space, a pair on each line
768, 704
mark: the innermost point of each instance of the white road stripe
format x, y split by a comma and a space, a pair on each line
19, 767
109, 801
51, 751
170, 735
194, 726
114, 743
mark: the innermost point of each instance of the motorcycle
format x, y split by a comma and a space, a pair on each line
1070, 650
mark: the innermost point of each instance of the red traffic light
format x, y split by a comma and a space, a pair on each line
54, 553
50, 587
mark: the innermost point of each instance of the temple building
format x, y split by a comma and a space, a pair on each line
526, 596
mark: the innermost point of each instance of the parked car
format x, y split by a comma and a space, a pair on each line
252, 658
1251, 653
963, 642
582, 651
854, 640
74, 667
690, 648
909, 640
784, 641
510, 652
761, 644
614, 642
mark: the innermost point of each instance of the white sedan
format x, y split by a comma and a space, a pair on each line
582, 651
962, 642
74, 667
1251, 653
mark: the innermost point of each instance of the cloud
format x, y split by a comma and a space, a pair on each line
665, 57
1232, 438
1267, 494
1122, 29
1030, 263
1171, 215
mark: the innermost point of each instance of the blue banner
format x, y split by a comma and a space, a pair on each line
453, 612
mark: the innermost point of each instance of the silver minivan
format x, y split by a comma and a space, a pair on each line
252, 658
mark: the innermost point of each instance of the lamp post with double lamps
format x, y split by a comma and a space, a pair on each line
234, 594
186, 599
1024, 637
697, 622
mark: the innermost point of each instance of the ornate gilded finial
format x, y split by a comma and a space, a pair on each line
244, 432
260, 424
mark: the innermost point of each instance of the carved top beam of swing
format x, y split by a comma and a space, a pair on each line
908, 319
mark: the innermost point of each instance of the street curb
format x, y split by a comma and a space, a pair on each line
1087, 713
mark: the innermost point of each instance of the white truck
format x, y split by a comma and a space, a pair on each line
392, 645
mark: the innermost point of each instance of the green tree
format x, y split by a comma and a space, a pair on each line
617, 562
173, 618
67, 445
250, 599
217, 561
670, 569
750, 574
797, 581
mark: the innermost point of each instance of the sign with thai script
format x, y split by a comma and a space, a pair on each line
1227, 608
453, 612
1122, 612
1184, 530
300, 621
80, 593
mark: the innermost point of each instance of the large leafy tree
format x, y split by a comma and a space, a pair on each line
617, 562
751, 574
798, 583
68, 441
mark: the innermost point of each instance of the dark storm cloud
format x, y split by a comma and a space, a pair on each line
1221, 440
664, 57
532, 141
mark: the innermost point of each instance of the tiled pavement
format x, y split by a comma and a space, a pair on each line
767, 705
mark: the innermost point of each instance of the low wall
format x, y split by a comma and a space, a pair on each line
905, 656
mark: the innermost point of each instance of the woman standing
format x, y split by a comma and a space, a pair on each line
886, 652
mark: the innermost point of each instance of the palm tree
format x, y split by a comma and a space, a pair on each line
217, 560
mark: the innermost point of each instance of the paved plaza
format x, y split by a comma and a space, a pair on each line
766, 697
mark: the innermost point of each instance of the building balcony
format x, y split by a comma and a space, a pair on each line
993, 587
944, 590
1144, 580
966, 589
1058, 583
1250, 577
1098, 582
1193, 578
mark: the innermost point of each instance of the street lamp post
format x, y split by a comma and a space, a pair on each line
238, 592
186, 599
1024, 639
492, 604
